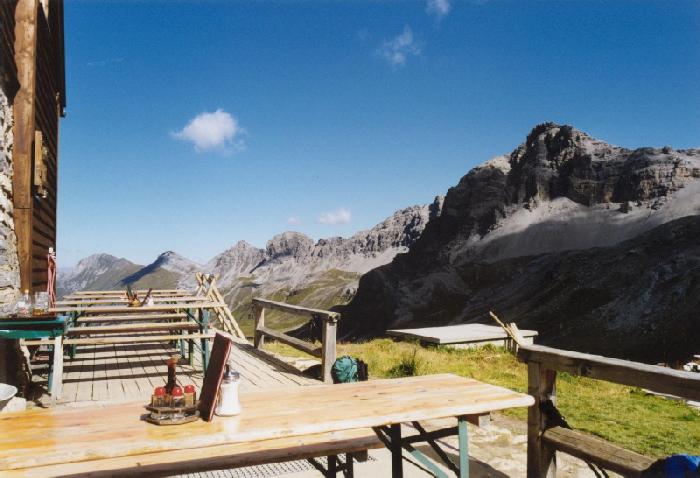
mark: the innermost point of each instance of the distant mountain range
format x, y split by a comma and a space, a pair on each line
292, 267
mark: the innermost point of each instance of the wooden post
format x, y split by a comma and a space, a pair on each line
259, 315
24, 112
541, 459
328, 345
57, 368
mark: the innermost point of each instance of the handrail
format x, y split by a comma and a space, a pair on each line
635, 374
545, 435
297, 310
326, 351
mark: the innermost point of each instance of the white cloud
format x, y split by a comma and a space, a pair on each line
397, 50
294, 221
339, 216
212, 131
439, 8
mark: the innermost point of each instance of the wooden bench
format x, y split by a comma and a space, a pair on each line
546, 437
131, 317
125, 339
132, 328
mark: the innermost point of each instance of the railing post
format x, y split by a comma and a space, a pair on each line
541, 459
259, 315
328, 344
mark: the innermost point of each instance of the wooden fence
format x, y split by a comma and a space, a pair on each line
546, 436
326, 352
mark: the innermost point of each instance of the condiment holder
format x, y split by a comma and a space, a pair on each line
171, 405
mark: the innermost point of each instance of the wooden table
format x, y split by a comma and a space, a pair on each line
114, 300
197, 312
203, 304
45, 329
275, 425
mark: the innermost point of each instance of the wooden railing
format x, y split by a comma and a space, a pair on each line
207, 287
326, 352
546, 436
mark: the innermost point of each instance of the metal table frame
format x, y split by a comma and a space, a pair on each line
27, 328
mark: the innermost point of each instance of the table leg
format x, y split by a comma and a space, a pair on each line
396, 453
349, 465
190, 350
56, 371
463, 447
73, 323
332, 466
204, 328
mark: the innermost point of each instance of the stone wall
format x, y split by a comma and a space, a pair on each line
9, 264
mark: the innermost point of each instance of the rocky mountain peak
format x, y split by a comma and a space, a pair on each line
97, 262
174, 262
561, 161
289, 243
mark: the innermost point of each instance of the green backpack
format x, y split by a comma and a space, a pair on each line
347, 369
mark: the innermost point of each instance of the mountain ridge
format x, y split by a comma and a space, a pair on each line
559, 191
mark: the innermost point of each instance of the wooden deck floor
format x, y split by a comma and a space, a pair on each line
131, 372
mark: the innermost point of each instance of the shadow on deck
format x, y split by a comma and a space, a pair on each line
130, 372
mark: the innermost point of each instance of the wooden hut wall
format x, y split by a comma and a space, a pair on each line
38, 106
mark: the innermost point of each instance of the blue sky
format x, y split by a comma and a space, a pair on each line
191, 126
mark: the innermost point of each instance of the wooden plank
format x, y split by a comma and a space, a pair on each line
126, 328
297, 310
123, 292
214, 458
130, 318
133, 339
100, 389
120, 309
262, 371
54, 436
87, 362
652, 377
122, 300
128, 383
596, 450
292, 341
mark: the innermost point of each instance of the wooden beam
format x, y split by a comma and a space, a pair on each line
291, 341
328, 346
625, 372
259, 316
297, 310
596, 450
541, 460
24, 115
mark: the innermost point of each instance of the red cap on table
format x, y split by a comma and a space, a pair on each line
177, 392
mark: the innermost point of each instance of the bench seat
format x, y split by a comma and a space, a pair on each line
130, 317
132, 328
596, 450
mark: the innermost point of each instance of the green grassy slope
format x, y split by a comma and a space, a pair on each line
322, 293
